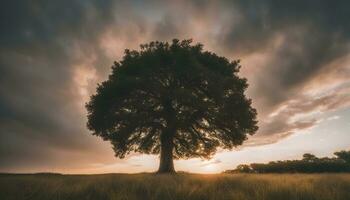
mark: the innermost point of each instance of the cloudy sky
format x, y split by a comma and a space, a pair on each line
295, 54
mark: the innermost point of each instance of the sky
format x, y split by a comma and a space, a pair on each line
295, 55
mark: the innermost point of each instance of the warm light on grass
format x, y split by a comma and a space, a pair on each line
180, 186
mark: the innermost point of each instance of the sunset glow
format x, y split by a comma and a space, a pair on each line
52, 58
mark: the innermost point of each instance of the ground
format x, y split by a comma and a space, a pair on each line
180, 186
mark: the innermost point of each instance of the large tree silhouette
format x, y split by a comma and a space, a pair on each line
173, 99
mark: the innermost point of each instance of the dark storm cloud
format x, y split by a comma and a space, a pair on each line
168, 27
37, 105
259, 21
296, 61
313, 33
45, 48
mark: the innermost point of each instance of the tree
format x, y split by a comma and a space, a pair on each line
173, 99
309, 157
244, 168
344, 155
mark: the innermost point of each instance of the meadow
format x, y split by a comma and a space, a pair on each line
173, 187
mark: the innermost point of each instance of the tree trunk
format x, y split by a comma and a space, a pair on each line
166, 164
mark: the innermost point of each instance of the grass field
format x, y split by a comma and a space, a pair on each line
181, 186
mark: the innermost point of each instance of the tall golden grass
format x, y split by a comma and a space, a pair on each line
180, 186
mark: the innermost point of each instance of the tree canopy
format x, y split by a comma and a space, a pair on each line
175, 99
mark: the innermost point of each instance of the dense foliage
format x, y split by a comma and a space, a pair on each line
174, 99
309, 164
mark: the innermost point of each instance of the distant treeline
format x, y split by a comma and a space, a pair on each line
309, 164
